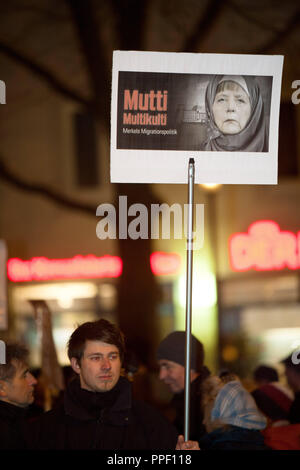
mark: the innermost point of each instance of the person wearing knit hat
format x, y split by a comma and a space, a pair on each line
171, 360
172, 349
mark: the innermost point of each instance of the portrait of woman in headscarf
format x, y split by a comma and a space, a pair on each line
235, 112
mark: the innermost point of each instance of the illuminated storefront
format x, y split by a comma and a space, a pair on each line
78, 289
259, 314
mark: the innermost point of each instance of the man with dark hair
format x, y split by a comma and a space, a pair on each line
171, 359
99, 411
264, 375
292, 372
16, 394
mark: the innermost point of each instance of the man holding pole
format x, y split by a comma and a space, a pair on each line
99, 411
171, 359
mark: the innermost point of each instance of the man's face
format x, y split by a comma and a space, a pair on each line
172, 374
231, 110
100, 366
19, 390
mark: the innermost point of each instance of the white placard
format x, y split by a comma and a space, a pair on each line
220, 109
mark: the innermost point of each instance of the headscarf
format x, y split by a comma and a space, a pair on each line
234, 405
254, 136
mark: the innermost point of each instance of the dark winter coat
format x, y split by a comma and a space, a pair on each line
294, 414
109, 420
197, 428
233, 438
11, 422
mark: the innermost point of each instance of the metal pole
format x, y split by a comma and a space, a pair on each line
188, 317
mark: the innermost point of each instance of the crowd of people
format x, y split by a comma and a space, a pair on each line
223, 413
98, 410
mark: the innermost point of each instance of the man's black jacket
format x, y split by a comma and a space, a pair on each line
108, 420
11, 422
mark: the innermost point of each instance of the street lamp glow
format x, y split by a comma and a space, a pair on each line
211, 186
204, 290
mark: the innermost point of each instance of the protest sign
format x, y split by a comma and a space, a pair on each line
220, 109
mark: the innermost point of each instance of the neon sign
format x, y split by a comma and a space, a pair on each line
164, 263
79, 267
264, 248
84, 267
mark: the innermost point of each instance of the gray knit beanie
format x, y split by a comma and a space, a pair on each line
172, 348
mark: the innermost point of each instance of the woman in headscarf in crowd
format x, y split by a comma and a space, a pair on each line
235, 111
231, 417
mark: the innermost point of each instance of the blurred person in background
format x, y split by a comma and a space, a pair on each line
171, 360
16, 394
272, 398
287, 437
292, 372
264, 375
227, 376
231, 417
51, 383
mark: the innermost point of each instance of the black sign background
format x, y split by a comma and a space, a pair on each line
186, 127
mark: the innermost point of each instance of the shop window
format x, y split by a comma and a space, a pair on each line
86, 164
71, 304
